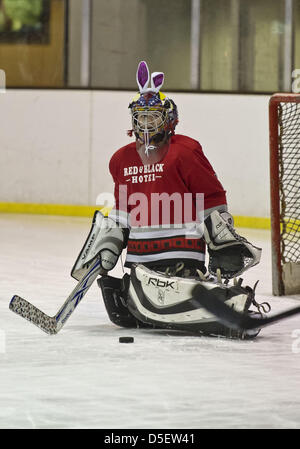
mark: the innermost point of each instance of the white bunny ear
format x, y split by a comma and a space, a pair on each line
157, 80
142, 76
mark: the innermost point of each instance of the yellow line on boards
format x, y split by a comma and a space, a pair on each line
88, 211
252, 222
48, 209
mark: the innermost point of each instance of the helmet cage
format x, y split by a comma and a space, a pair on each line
149, 121
154, 118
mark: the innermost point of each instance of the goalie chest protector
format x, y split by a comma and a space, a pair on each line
155, 233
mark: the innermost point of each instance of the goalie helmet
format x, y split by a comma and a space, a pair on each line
154, 116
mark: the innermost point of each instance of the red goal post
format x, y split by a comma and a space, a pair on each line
284, 127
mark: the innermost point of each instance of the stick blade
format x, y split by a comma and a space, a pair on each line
31, 313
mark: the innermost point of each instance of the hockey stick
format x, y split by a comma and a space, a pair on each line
233, 319
52, 325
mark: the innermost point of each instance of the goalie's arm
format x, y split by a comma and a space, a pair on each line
228, 251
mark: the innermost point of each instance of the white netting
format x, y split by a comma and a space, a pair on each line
289, 179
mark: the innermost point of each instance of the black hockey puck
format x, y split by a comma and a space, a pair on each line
126, 340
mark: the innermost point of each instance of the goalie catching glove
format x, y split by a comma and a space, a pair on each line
228, 251
106, 240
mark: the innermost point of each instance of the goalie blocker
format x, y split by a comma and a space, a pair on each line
106, 241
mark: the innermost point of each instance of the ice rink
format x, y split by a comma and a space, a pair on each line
84, 378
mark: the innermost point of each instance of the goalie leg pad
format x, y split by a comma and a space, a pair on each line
168, 302
114, 293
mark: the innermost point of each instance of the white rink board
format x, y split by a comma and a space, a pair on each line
84, 378
44, 144
55, 145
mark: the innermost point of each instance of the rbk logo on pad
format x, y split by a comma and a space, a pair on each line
159, 283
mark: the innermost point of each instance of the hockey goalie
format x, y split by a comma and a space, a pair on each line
166, 241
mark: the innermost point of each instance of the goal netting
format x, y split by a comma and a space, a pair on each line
284, 116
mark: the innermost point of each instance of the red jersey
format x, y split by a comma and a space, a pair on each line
159, 202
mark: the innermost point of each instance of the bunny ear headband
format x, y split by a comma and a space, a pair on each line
143, 79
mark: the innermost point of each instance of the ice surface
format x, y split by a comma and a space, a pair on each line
84, 378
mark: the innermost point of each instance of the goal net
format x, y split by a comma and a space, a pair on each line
284, 121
